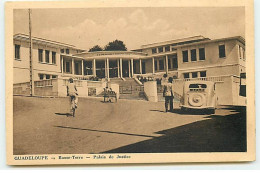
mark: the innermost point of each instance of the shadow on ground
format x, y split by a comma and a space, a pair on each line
63, 114
179, 111
216, 133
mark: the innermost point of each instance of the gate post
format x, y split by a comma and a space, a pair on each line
150, 90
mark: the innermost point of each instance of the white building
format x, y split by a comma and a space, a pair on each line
194, 57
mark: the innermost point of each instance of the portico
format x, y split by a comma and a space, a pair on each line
103, 64
116, 64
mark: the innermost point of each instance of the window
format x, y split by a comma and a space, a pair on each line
186, 75
53, 57
161, 64
173, 49
67, 66
169, 63
203, 74
53, 76
155, 65
41, 76
202, 54
47, 56
160, 49
167, 48
172, 62
185, 56
193, 55
67, 51
222, 51
154, 50
48, 76
17, 52
40, 56
62, 51
175, 62
194, 74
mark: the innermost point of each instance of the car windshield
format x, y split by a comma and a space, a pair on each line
198, 86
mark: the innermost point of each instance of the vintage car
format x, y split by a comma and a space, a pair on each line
199, 95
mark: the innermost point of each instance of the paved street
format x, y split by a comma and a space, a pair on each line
42, 127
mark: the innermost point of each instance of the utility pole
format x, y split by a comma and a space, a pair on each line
30, 54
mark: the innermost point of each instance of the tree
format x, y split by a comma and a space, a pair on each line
115, 45
95, 48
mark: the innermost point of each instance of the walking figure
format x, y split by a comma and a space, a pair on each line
72, 92
168, 94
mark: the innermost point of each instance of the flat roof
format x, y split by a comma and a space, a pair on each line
187, 42
105, 53
239, 38
100, 55
175, 41
26, 37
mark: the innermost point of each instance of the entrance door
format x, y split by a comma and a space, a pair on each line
100, 69
113, 69
125, 69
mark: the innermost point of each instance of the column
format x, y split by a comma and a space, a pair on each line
166, 63
107, 68
129, 69
62, 67
121, 67
153, 65
73, 66
94, 67
132, 67
140, 63
118, 70
82, 68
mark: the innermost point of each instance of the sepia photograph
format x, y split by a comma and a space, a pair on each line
106, 83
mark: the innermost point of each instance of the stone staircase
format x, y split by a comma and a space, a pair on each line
125, 82
129, 89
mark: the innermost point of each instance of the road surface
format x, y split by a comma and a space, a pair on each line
128, 126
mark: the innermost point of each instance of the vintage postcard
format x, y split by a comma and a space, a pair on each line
111, 82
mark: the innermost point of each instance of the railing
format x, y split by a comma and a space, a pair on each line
213, 79
94, 84
130, 89
78, 83
44, 83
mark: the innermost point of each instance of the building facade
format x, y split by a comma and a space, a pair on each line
191, 57
46, 58
196, 57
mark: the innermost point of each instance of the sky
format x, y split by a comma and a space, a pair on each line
87, 27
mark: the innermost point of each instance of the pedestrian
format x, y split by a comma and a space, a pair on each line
72, 92
168, 94
164, 79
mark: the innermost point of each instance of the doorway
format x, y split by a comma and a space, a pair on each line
125, 69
